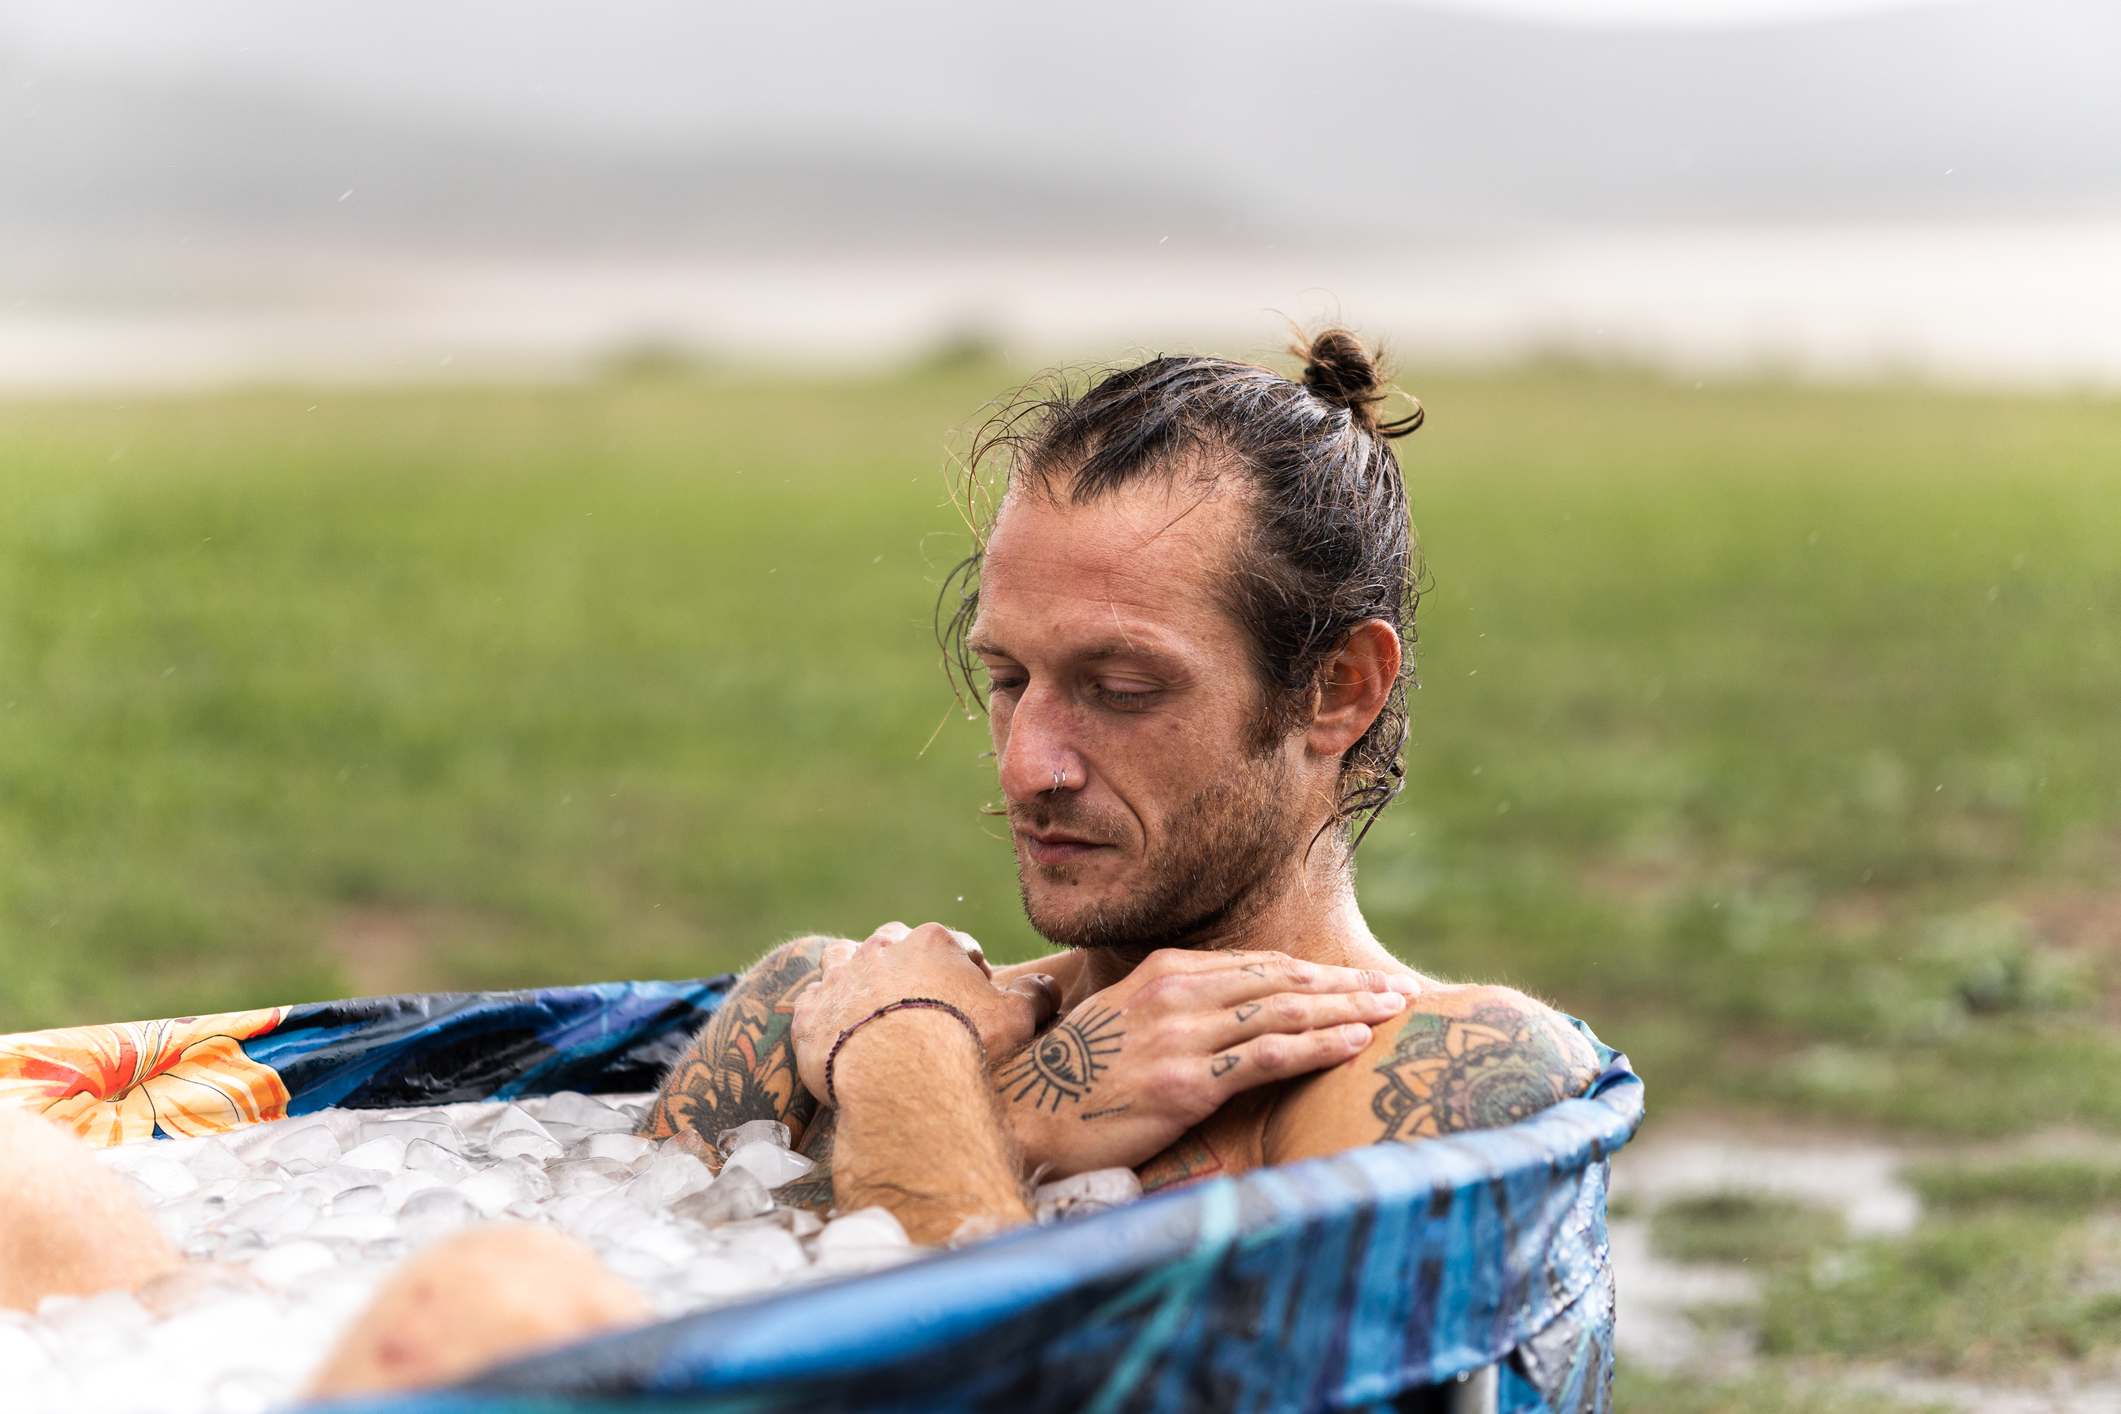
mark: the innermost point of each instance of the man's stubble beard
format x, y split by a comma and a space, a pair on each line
1224, 857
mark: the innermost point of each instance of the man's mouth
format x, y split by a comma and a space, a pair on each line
1055, 847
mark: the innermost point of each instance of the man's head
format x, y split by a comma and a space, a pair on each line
1189, 608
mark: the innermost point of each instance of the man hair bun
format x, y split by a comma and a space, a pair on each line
1341, 373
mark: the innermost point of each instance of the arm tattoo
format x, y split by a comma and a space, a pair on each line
1065, 1062
1497, 1066
742, 1064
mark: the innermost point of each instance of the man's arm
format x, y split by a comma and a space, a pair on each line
917, 1127
1467, 1058
919, 1132
742, 1064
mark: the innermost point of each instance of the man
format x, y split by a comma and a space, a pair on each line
1189, 612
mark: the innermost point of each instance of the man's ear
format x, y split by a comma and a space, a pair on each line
1354, 686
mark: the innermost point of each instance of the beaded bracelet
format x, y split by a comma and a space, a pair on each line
902, 1004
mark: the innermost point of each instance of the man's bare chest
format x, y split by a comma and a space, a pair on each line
1230, 1141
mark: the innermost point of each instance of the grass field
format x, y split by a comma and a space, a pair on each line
1772, 729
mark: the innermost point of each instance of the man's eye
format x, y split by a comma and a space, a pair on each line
1005, 682
1124, 695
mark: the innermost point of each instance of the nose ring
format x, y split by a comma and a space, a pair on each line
1058, 778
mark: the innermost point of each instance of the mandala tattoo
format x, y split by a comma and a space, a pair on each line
1501, 1064
1065, 1062
742, 1064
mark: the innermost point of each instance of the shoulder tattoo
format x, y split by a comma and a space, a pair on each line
1493, 1067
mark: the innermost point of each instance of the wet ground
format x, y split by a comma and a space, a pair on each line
1687, 1318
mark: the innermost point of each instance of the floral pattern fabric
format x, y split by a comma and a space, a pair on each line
118, 1083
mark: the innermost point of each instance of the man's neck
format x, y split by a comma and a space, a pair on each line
1315, 918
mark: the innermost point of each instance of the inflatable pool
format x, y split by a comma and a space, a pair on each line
1462, 1273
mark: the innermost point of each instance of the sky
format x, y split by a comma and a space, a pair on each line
1671, 14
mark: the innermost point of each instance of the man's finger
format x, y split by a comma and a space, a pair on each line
1251, 981
1278, 1056
1022, 1012
836, 954
889, 933
972, 949
1300, 1011
1043, 993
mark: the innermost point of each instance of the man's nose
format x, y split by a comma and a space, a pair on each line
1037, 758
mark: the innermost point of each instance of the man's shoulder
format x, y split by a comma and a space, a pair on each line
1460, 1058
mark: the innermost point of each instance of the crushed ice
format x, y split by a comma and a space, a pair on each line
291, 1226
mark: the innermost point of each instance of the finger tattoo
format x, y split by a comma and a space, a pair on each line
1248, 1011
1223, 1064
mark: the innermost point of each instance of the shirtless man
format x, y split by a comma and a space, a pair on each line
1189, 613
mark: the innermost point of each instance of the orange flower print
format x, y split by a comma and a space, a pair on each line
115, 1084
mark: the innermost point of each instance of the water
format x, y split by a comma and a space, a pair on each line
292, 1226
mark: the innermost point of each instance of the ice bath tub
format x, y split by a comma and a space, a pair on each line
1468, 1272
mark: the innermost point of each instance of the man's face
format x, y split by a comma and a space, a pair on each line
1123, 702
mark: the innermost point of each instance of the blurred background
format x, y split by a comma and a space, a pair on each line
474, 485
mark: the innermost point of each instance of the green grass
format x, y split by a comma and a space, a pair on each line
1639, 1392
1768, 728
1739, 1227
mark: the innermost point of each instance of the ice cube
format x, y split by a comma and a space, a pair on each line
403, 1186
522, 1144
640, 1268
435, 1131
491, 1190
249, 1392
212, 1160
516, 1135
283, 1266
251, 1190
767, 1247
304, 1148
386, 1154
625, 1149
366, 1199
753, 1131
568, 1107
770, 1164
23, 1354
111, 1315
861, 1241
354, 1227
737, 1194
430, 1157
715, 1279
162, 1176
587, 1176
434, 1212
688, 1141
280, 1215
1085, 1193
513, 1120
669, 1178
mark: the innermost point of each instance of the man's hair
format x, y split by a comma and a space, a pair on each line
1329, 544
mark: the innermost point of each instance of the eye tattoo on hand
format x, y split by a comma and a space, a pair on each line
1066, 1061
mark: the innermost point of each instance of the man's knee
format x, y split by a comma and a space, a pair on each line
68, 1226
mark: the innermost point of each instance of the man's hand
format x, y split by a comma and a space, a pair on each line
897, 962
1135, 1066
